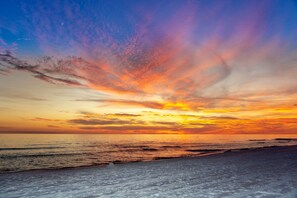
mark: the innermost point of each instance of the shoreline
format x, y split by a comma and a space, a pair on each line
205, 153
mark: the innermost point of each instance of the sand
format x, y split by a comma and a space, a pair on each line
267, 172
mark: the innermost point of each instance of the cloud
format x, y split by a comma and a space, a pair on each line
45, 119
131, 129
220, 117
53, 126
39, 70
110, 121
91, 114
164, 123
97, 122
124, 115
139, 103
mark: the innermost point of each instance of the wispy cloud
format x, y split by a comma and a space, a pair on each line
44, 119
41, 70
113, 121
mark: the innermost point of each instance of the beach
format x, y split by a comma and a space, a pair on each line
262, 172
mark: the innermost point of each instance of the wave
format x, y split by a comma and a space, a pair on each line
40, 155
205, 150
30, 148
286, 139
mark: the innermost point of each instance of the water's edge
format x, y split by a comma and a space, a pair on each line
220, 152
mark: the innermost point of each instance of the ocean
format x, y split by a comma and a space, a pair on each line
23, 152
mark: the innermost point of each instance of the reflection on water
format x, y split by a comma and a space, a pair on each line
19, 152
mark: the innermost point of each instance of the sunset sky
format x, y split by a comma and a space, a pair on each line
161, 66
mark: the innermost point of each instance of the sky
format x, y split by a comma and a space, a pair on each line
160, 66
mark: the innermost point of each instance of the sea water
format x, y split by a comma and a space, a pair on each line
21, 152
